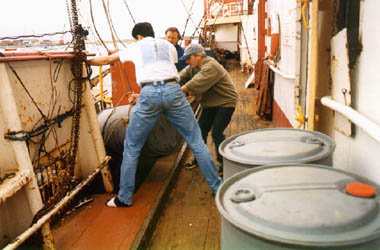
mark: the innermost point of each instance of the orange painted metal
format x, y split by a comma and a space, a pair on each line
279, 118
228, 1
206, 15
38, 55
187, 42
262, 15
123, 82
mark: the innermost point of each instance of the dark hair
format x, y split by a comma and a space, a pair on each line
143, 29
173, 29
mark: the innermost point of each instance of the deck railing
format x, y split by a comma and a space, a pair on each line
358, 119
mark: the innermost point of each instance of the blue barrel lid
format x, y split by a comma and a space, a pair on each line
300, 204
277, 145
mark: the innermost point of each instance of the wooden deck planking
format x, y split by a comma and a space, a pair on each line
189, 219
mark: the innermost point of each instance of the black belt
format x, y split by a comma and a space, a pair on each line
162, 82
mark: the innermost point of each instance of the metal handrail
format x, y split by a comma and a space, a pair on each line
370, 127
283, 74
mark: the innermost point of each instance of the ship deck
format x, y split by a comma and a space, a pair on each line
173, 209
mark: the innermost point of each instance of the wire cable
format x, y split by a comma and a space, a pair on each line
40, 35
130, 13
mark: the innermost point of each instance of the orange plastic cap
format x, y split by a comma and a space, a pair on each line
360, 189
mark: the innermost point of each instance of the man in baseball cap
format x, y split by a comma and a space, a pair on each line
214, 90
191, 49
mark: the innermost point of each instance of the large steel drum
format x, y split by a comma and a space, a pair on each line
299, 206
275, 146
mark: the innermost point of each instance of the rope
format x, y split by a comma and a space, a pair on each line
187, 21
196, 29
130, 13
115, 44
23, 85
108, 100
113, 28
53, 99
190, 17
25, 135
97, 33
109, 25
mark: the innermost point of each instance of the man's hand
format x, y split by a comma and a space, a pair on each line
133, 98
185, 90
111, 52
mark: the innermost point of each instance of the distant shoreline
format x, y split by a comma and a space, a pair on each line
131, 40
54, 43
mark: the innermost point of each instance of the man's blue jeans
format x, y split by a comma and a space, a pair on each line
154, 101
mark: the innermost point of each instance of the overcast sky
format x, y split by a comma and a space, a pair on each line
24, 17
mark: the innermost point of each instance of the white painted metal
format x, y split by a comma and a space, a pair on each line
360, 152
226, 37
20, 198
341, 84
287, 71
248, 40
249, 81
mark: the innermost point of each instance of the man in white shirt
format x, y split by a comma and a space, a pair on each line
157, 75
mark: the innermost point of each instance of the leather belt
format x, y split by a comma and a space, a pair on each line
162, 82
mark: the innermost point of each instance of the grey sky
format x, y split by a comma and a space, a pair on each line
24, 17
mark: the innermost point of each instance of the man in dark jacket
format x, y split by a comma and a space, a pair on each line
173, 36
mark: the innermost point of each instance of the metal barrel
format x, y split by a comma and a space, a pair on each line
275, 146
299, 206
163, 138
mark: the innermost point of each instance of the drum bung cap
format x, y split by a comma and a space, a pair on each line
360, 189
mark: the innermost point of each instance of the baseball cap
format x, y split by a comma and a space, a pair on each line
191, 49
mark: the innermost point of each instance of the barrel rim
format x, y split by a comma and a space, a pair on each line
313, 158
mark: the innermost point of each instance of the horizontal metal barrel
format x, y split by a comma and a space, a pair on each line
163, 138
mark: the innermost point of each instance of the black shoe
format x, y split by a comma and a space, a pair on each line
191, 165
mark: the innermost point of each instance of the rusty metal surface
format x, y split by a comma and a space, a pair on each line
10, 186
35, 57
45, 218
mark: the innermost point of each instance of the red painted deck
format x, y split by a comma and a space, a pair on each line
101, 227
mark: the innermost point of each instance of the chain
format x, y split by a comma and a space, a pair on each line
69, 15
80, 57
